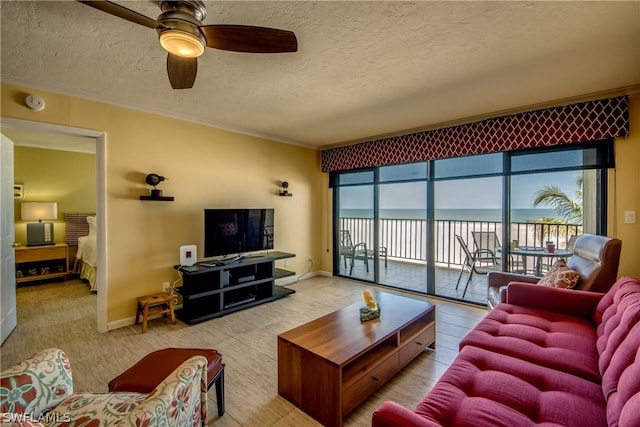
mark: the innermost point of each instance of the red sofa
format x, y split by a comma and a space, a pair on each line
548, 356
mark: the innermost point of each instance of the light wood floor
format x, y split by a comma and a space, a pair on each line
63, 315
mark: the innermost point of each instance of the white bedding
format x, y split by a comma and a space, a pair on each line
87, 250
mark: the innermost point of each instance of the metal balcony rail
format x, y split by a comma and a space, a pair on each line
406, 239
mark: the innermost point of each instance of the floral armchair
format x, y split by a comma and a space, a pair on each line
39, 392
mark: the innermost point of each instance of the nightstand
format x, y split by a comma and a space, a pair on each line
41, 262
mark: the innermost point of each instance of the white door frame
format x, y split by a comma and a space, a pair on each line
101, 202
8, 318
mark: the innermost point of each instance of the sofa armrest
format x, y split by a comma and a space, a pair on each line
36, 384
567, 301
390, 414
180, 400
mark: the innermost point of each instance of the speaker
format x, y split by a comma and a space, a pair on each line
188, 255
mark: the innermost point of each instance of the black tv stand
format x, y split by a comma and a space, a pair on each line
213, 289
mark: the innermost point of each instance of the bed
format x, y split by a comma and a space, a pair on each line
81, 232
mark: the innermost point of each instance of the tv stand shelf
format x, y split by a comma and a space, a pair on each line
217, 289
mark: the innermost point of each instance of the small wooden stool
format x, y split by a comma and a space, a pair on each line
160, 303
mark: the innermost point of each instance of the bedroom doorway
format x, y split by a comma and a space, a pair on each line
58, 133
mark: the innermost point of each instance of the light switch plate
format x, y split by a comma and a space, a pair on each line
629, 217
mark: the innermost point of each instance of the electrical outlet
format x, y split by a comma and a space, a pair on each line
309, 258
166, 286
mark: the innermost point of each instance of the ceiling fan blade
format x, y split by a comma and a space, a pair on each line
182, 71
246, 38
122, 12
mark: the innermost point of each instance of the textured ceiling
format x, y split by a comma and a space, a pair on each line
362, 69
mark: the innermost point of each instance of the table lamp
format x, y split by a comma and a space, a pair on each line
39, 233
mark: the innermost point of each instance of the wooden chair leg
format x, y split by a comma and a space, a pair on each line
145, 317
172, 312
138, 310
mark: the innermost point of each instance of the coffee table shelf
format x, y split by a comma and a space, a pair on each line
329, 366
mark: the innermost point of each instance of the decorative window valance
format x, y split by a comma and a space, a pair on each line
585, 121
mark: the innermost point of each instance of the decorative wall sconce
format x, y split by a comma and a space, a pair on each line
285, 191
153, 180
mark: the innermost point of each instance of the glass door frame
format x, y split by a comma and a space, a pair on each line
602, 160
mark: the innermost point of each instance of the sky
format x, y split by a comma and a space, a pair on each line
479, 193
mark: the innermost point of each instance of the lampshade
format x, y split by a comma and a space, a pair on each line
39, 211
181, 43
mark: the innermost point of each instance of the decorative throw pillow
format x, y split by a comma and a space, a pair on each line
560, 276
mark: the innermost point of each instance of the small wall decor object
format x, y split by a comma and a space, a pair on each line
18, 191
285, 189
371, 310
153, 180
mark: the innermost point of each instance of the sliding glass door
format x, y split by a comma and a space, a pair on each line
468, 219
355, 227
422, 226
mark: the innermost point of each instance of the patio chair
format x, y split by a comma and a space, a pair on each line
489, 240
357, 251
480, 261
486, 240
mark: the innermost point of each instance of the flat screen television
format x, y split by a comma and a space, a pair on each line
237, 231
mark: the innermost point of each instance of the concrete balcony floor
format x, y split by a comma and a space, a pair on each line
413, 276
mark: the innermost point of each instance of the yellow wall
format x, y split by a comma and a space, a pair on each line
64, 177
627, 192
209, 168
205, 167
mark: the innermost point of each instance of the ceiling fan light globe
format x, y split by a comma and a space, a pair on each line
181, 43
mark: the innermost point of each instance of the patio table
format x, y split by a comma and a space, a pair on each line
538, 252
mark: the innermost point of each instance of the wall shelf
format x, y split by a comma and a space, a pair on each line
156, 198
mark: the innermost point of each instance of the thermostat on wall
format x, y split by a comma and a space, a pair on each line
188, 255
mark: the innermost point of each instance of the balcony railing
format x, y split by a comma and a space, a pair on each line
406, 239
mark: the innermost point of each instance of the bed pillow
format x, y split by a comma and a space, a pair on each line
91, 220
560, 276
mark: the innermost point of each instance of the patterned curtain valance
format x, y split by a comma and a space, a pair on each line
585, 121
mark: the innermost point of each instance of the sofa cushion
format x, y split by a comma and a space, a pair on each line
486, 388
560, 276
619, 347
555, 340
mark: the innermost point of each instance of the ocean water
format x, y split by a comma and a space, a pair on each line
494, 215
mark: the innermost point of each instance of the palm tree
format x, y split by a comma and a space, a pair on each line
569, 210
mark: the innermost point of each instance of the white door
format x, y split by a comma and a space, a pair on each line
8, 320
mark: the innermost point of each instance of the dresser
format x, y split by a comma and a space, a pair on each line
41, 262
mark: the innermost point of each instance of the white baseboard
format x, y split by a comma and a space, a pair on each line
293, 279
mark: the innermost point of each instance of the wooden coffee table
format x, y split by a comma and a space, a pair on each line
327, 367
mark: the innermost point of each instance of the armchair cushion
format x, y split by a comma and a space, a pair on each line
36, 384
96, 408
560, 276
178, 401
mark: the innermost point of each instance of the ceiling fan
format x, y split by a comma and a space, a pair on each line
182, 34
